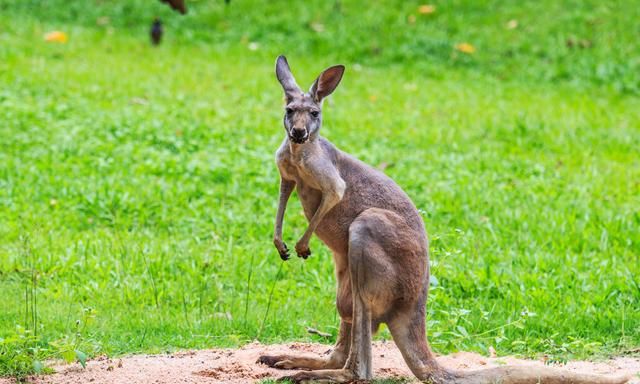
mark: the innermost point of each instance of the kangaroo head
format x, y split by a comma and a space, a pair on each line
303, 112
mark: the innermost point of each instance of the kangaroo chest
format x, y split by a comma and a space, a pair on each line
292, 166
309, 193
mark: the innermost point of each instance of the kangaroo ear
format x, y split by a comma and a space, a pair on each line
283, 73
327, 82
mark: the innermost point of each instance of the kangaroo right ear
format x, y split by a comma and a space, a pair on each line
327, 82
286, 79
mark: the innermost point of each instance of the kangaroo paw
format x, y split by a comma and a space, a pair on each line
284, 254
303, 251
283, 251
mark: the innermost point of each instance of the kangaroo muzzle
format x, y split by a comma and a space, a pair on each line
298, 135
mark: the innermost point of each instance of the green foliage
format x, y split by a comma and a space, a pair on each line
577, 42
23, 352
20, 354
69, 347
140, 181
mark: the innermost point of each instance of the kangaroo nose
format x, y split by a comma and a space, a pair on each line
298, 133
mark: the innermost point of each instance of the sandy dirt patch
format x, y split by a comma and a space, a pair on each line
239, 366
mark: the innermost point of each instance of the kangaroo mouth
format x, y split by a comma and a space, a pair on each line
299, 139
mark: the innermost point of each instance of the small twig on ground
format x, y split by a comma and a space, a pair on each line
314, 331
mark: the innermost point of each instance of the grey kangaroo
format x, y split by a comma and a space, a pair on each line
380, 251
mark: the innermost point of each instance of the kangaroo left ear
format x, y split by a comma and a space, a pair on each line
283, 73
327, 82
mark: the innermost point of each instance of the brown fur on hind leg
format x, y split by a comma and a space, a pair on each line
335, 360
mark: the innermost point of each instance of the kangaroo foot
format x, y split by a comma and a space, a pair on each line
322, 376
271, 361
302, 362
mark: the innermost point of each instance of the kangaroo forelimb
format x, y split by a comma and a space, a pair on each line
333, 187
286, 187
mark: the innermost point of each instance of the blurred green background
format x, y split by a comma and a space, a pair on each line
138, 188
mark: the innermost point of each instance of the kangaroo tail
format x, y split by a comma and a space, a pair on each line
520, 375
408, 334
408, 331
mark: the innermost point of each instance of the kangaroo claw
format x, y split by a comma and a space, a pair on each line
284, 253
270, 361
304, 253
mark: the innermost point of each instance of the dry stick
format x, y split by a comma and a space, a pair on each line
266, 313
314, 331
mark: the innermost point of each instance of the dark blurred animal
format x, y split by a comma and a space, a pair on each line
380, 250
156, 31
178, 5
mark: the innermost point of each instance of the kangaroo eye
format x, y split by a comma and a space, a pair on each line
315, 113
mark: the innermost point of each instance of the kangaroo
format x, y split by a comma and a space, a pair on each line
380, 250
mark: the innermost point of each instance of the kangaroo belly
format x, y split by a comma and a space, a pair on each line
334, 230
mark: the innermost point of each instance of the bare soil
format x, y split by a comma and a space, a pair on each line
239, 366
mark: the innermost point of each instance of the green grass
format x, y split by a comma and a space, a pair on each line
138, 188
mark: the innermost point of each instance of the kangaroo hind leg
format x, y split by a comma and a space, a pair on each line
372, 287
335, 360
